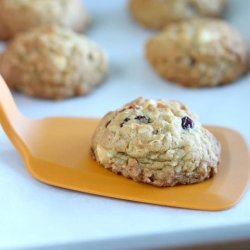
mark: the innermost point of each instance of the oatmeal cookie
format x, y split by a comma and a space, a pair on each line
156, 142
248, 55
157, 14
21, 15
198, 53
51, 62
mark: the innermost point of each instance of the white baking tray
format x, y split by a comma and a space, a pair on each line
34, 214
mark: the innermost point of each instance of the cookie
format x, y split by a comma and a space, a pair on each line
156, 142
21, 15
248, 55
51, 62
198, 53
157, 14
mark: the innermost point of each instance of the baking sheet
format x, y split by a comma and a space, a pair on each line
35, 214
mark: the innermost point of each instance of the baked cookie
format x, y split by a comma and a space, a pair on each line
157, 14
248, 55
21, 15
156, 142
198, 53
51, 62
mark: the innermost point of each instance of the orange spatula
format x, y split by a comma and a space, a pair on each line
56, 151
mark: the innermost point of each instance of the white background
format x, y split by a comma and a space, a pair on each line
34, 214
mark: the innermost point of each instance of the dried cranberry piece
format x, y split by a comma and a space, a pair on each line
155, 132
124, 121
192, 61
133, 106
107, 123
187, 122
193, 8
143, 119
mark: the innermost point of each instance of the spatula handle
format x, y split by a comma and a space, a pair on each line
11, 119
8, 108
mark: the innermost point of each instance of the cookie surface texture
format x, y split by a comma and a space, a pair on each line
157, 14
51, 62
198, 53
21, 15
156, 142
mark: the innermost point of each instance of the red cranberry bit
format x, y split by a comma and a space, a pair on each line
143, 119
107, 123
155, 132
133, 106
192, 61
124, 121
187, 122
193, 8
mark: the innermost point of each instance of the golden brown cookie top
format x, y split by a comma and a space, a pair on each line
153, 132
205, 36
199, 52
53, 48
21, 15
159, 13
53, 62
